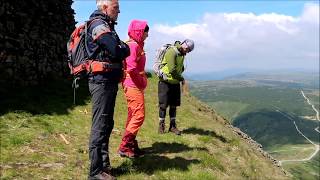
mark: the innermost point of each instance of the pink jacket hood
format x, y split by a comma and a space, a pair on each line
136, 30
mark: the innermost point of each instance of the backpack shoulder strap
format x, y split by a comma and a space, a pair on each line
86, 27
175, 49
85, 37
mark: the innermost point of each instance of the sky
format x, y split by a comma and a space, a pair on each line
253, 35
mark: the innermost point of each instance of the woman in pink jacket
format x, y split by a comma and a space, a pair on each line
134, 84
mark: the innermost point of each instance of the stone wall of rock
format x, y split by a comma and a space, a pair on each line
33, 40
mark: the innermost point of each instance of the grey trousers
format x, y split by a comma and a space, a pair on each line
103, 102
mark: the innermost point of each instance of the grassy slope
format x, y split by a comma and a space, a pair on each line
32, 148
229, 109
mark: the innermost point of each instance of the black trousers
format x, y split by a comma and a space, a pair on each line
103, 102
168, 94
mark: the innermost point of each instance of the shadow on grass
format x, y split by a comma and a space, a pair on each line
199, 131
152, 163
162, 147
54, 97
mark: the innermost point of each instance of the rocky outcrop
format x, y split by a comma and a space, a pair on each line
33, 40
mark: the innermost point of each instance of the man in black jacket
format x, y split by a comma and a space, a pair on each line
104, 46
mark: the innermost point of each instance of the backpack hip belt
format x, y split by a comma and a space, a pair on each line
96, 67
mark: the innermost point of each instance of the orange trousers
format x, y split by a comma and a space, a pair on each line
136, 109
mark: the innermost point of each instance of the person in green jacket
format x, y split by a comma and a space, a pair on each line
169, 93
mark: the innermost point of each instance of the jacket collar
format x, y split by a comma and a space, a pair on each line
100, 15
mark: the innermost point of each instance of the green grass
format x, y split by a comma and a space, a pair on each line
32, 147
292, 151
228, 109
314, 97
253, 96
307, 170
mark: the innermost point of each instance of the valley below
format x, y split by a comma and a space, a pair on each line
279, 111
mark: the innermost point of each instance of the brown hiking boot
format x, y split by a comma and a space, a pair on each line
103, 176
173, 128
161, 127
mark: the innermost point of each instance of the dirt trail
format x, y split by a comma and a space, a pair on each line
315, 109
317, 147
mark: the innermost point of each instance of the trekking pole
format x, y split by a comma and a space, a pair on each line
75, 85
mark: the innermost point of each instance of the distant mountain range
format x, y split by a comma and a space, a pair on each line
239, 74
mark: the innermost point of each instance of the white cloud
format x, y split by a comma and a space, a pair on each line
311, 13
246, 40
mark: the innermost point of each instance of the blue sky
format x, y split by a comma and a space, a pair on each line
185, 11
294, 22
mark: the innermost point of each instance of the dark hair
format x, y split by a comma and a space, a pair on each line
146, 29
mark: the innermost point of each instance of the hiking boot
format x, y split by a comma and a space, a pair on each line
173, 128
128, 153
107, 170
161, 128
103, 176
127, 145
137, 150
